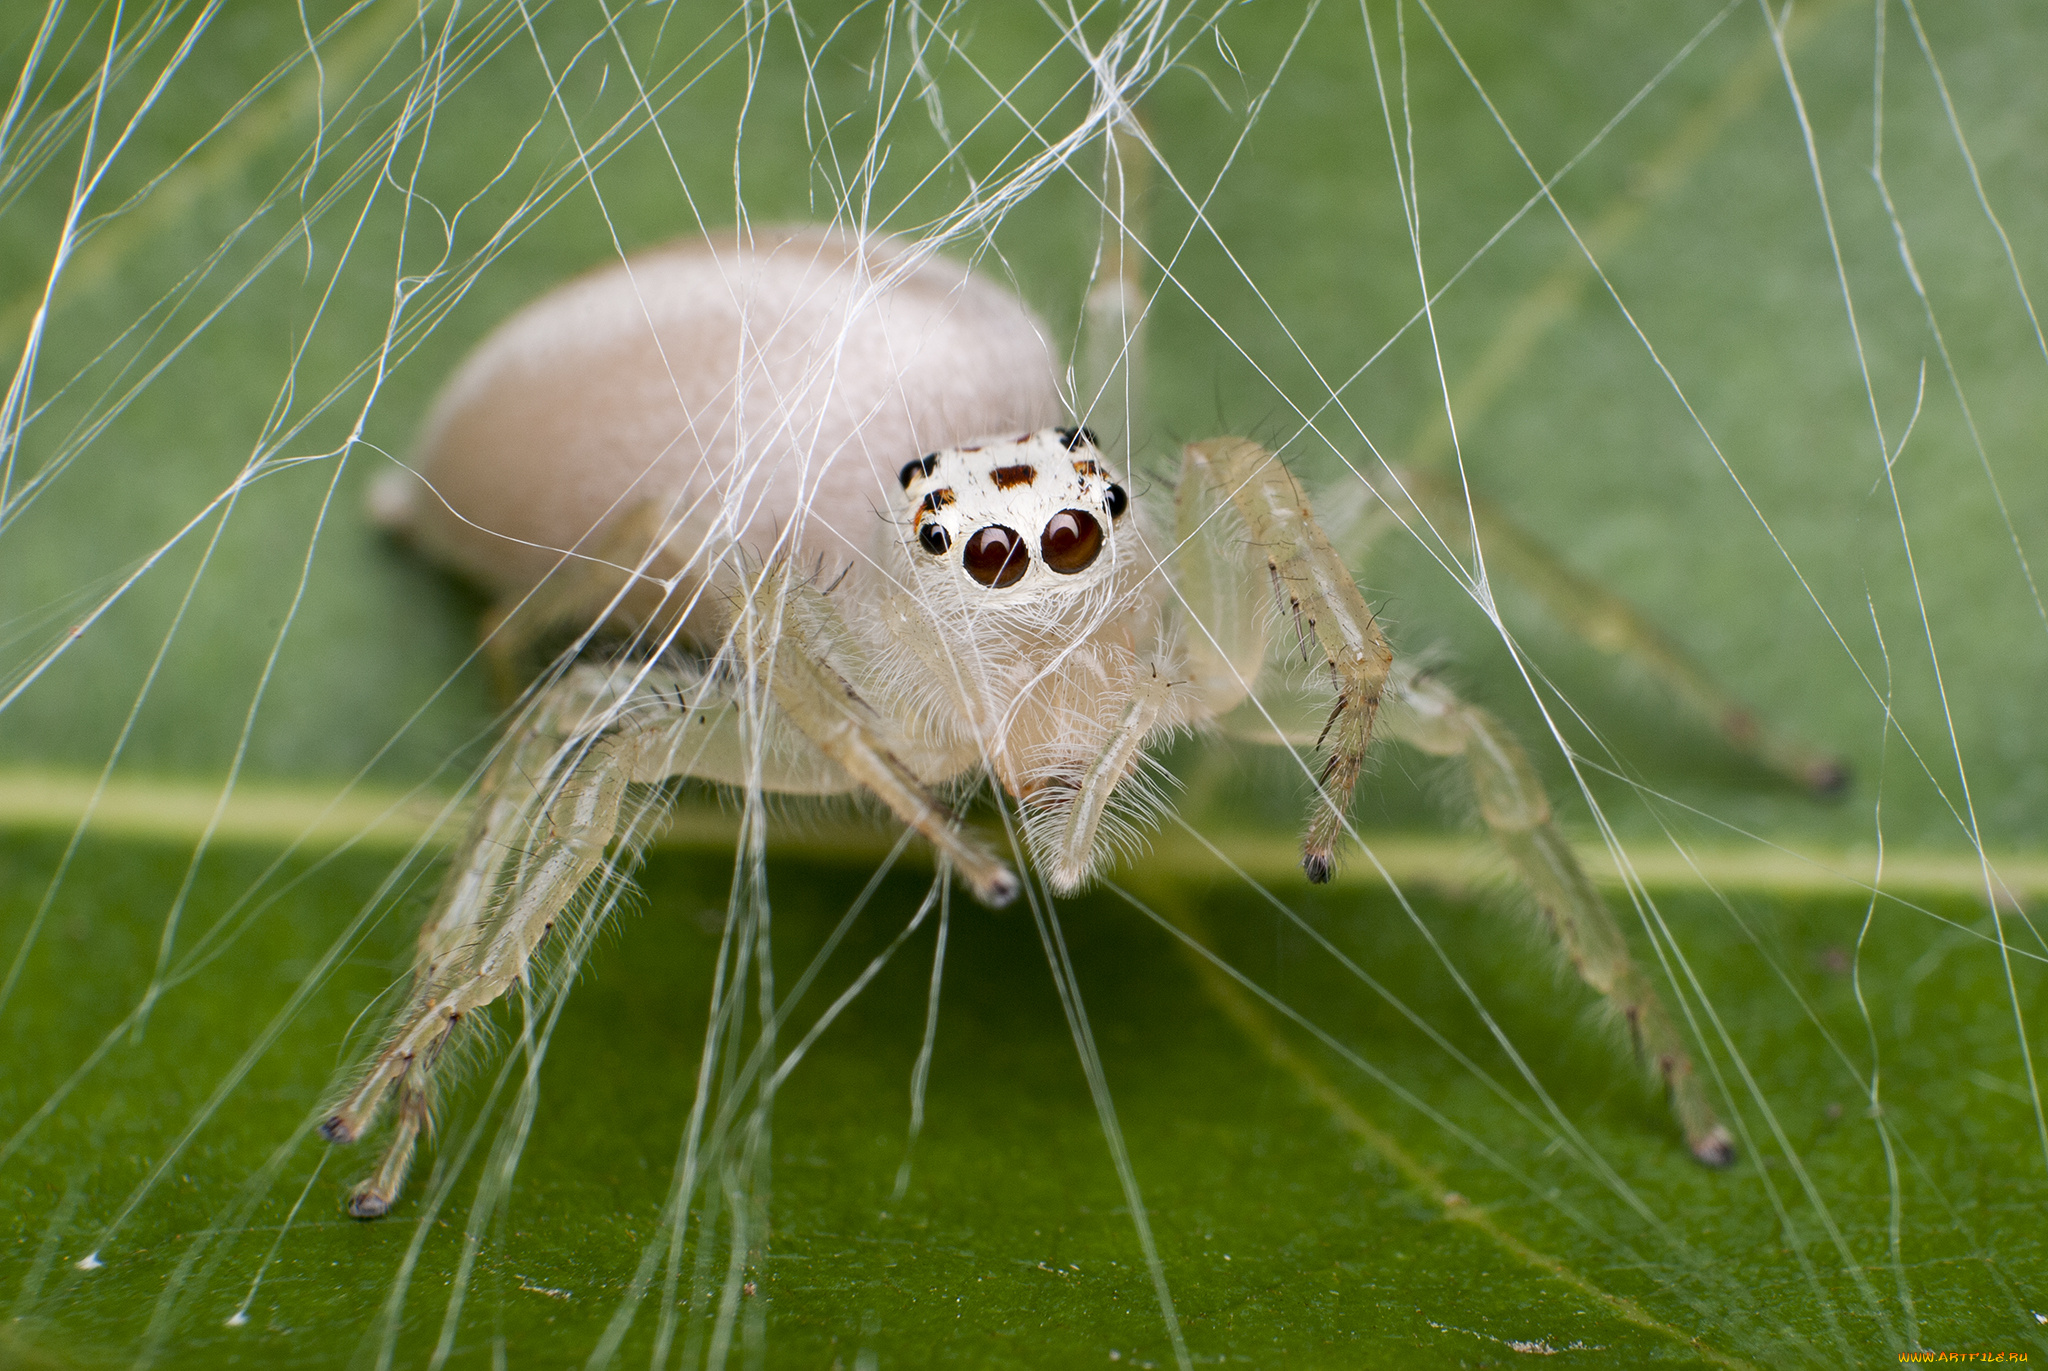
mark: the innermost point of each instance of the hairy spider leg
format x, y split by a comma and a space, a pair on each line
1425, 714
1608, 622
550, 809
1422, 712
823, 704
1316, 594
1076, 854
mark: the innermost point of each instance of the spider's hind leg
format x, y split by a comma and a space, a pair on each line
1423, 713
1611, 624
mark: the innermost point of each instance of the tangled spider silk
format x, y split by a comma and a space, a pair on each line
1707, 332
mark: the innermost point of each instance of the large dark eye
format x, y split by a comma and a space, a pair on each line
996, 557
1072, 540
935, 539
1118, 502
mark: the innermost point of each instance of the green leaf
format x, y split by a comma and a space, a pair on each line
1368, 1122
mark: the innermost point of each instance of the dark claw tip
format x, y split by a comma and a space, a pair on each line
337, 1130
1828, 779
1317, 867
367, 1204
1000, 890
1716, 1149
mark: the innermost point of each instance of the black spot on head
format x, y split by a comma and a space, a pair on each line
1019, 475
1117, 500
935, 539
1074, 438
937, 500
923, 466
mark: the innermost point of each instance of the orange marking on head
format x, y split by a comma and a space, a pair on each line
1019, 475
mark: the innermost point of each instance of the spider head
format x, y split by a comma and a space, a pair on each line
1016, 517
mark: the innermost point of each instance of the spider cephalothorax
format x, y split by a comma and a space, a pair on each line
1031, 589
1025, 514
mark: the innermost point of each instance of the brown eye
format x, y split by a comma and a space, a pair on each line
1072, 540
996, 557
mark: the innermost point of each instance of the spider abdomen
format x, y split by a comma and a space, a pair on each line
753, 392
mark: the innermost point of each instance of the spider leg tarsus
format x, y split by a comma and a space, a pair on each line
1828, 778
336, 1128
1715, 1149
354, 1115
998, 888
375, 1194
367, 1202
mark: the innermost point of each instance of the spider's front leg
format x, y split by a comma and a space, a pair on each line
548, 810
1313, 586
1226, 646
1422, 712
551, 806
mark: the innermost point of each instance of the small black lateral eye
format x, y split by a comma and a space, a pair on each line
996, 557
923, 466
1073, 439
1071, 541
1117, 501
935, 539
